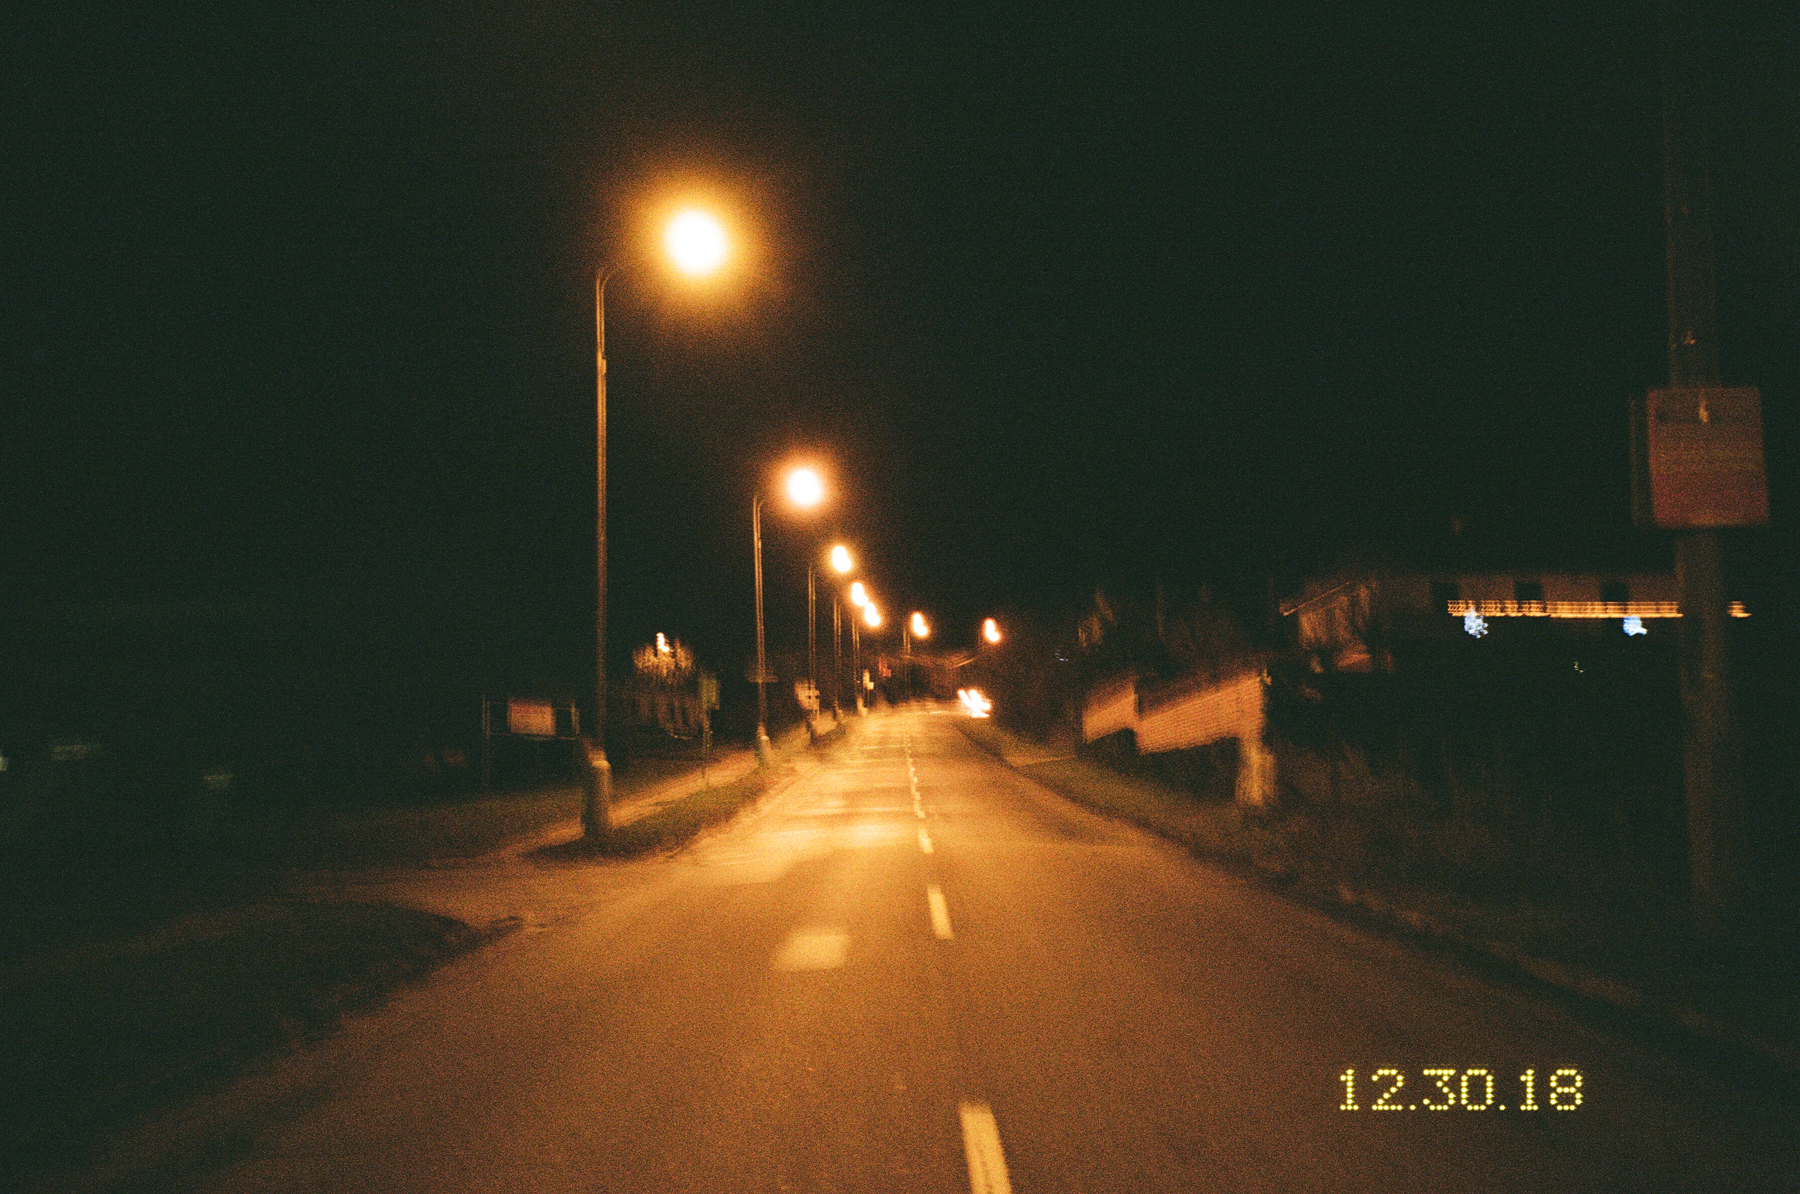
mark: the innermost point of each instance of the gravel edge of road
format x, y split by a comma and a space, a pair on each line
1779, 1062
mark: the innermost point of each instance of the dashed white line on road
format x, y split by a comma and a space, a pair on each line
924, 840
940, 914
981, 1144
812, 949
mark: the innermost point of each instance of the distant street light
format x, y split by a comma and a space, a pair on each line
915, 628
805, 489
990, 630
841, 563
859, 596
871, 615
697, 244
856, 664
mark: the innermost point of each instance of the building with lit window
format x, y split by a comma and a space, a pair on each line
1357, 621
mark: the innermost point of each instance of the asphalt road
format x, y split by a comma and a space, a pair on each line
913, 970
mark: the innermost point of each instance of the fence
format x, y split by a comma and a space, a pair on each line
1189, 713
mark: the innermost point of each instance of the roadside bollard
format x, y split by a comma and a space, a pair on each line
596, 806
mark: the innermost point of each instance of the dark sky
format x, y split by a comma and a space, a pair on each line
299, 303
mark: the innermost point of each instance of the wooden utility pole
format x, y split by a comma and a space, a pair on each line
1707, 765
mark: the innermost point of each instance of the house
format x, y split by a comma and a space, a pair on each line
1354, 622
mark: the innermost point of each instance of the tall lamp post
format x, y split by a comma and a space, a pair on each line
872, 618
805, 489
696, 244
841, 563
916, 628
595, 815
859, 597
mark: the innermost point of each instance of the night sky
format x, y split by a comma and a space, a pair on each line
299, 304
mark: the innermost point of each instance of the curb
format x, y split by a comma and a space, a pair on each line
1586, 984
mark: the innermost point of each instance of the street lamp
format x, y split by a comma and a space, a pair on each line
841, 563
805, 489
859, 597
915, 628
696, 242
990, 630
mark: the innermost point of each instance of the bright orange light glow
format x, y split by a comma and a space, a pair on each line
871, 615
919, 628
696, 242
805, 488
859, 596
990, 630
840, 558
1578, 609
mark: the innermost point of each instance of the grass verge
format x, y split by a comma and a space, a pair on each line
1220, 830
674, 824
93, 1036
1732, 992
411, 835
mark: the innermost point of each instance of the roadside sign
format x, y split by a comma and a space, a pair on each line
533, 719
1703, 452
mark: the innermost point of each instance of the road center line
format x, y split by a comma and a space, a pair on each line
981, 1144
940, 914
924, 840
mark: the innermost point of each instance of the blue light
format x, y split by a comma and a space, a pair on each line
1634, 625
1474, 624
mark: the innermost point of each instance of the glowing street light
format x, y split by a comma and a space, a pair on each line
697, 244
805, 489
915, 628
871, 615
841, 563
859, 596
990, 630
